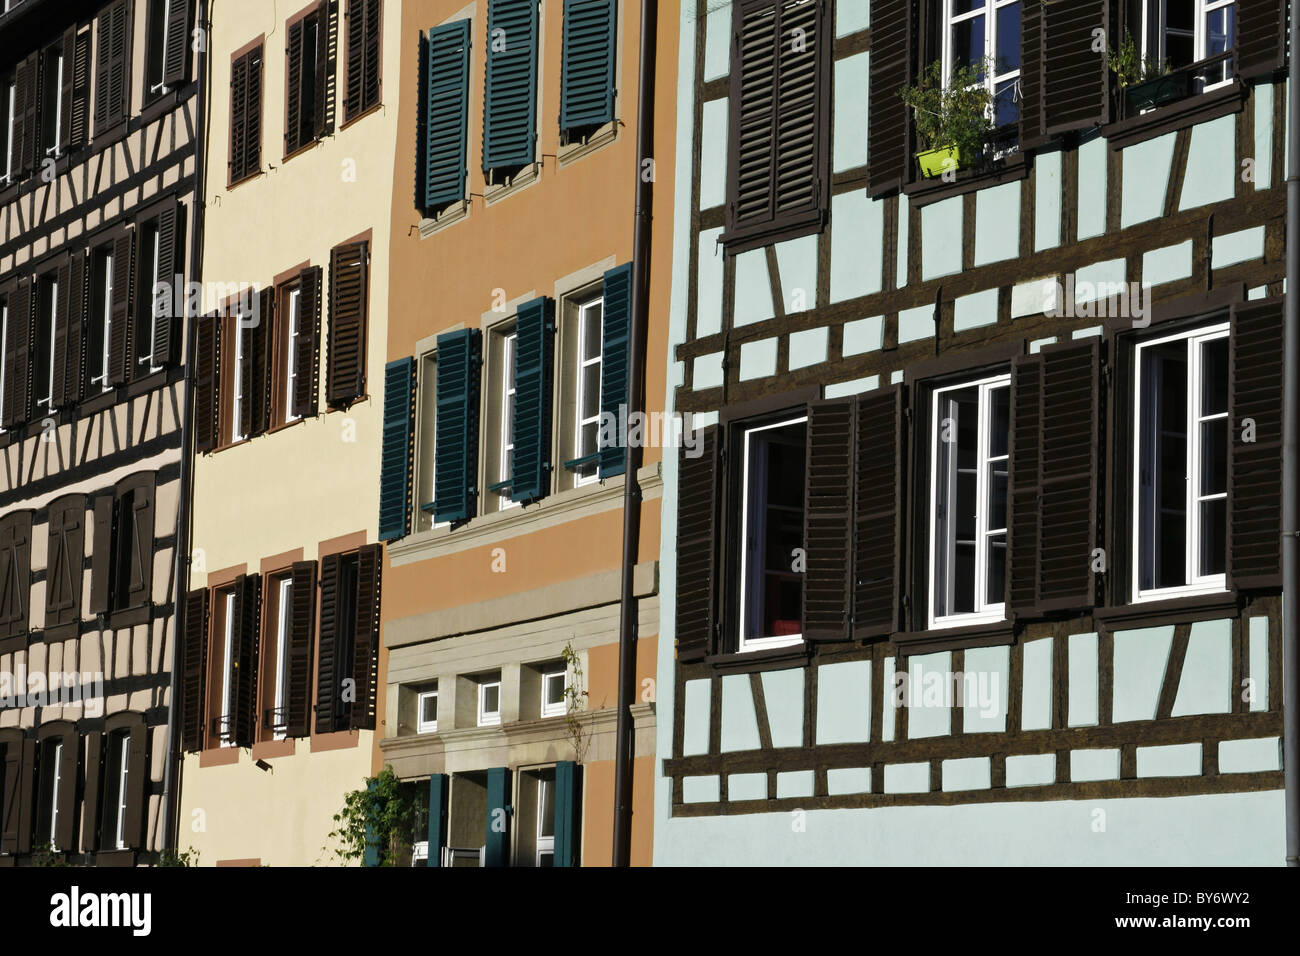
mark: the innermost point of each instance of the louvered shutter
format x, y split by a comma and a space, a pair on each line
880, 473
7, 582
371, 85
510, 90
615, 367
587, 82
31, 152
244, 328
194, 669
101, 557
26, 795
1025, 488
76, 89
171, 271
238, 114
828, 520
137, 766
530, 461
62, 318
444, 117
55, 563
698, 592
176, 50
244, 655
1261, 27
70, 360
11, 809
568, 814
306, 385
459, 357
65, 827
328, 700
437, 834
1031, 73
1075, 85
207, 383
18, 147
64, 561
395, 462
363, 26
894, 26
113, 49
754, 103
261, 338
302, 631
293, 106
94, 781
346, 378
1068, 468
323, 113
253, 116
17, 395
119, 339
496, 837
139, 522
16, 576
1255, 467
365, 646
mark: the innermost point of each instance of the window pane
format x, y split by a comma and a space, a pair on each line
1219, 31
590, 392
1214, 519
957, 460
965, 6
999, 422
554, 689
1006, 111
1163, 466
775, 470
1008, 34
492, 698
429, 711
1214, 457
968, 42
1214, 376
996, 558
546, 808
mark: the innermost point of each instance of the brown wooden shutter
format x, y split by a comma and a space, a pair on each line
70, 361
1075, 85
1069, 463
363, 28
306, 387
207, 378
11, 808
246, 630
893, 48
65, 828
697, 539
881, 450
17, 395
365, 658
259, 396
137, 786
31, 152
64, 561
113, 40
62, 320
140, 527
346, 378
194, 670
248, 400
93, 786
1025, 488
15, 573
328, 702
293, 106
27, 781
372, 61
1255, 466
18, 147
238, 117
322, 119
121, 313
302, 631
171, 270
101, 559
176, 49
828, 520
1261, 37
76, 87
1031, 75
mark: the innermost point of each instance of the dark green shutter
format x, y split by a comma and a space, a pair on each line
587, 71
568, 814
530, 461
444, 116
614, 371
459, 357
437, 818
395, 465
510, 90
496, 836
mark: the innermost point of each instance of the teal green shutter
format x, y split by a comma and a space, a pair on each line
444, 116
587, 71
497, 834
372, 837
395, 462
456, 440
614, 370
437, 818
510, 90
530, 462
568, 814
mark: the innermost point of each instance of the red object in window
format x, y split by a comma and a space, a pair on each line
782, 628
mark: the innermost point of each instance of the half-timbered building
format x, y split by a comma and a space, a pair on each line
980, 562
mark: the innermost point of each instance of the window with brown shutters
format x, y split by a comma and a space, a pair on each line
58, 758
363, 22
246, 116
65, 557
17, 357
697, 545
122, 547
74, 99
15, 579
260, 378
207, 382
346, 352
194, 670
365, 655
167, 46
160, 301
125, 789
245, 631
16, 757
892, 63
308, 55
120, 316
347, 660
69, 335
1075, 78
302, 634
113, 33
306, 345
778, 167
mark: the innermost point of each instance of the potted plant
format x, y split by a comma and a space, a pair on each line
953, 118
1146, 82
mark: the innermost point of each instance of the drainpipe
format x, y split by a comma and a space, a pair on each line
1290, 459
625, 749
181, 566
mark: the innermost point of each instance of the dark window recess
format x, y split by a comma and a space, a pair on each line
349, 292
364, 27
113, 31
347, 666
155, 47
778, 159
57, 759
15, 574
307, 66
122, 560
587, 82
51, 85
246, 116
441, 139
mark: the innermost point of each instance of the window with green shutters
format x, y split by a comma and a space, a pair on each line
587, 84
614, 362
510, 88
444, 117
395, 464
456, 438
530, 464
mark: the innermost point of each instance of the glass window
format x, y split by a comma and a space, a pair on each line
553, 686
489, 703
587, 419
427, 710
980, 31
546, 819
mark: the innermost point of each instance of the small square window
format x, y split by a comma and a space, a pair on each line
489, 703
554, 684
427, 710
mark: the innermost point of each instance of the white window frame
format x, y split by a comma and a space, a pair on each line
285, 597
545, 844
985, 612
507, 424
227, 672
48, 400
161, 87
107, 317
1154, 16
423, 726
58, 110
153, 301
988, 9
488, 718
237, 378
4, 345
1197, 583
768, 641
291, 358
549, 676
584, 362
55, 782
9, 132
123, 771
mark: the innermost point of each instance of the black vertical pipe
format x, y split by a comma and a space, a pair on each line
1290, 461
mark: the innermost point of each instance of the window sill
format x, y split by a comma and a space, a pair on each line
235, 184
1173, 610
525, 177
352, 120
775, 658
989, 634
271, 749
449, 216
115, 858
923, 192
602, 137
736, 240
218, 757
1171, 117
129, 617
305, 148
